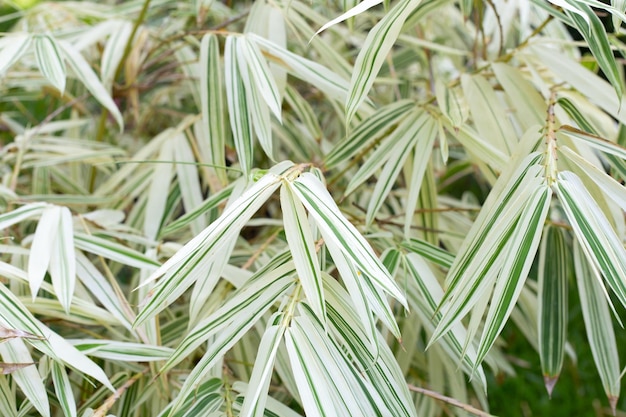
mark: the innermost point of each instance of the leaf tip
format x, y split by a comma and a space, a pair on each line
550, 381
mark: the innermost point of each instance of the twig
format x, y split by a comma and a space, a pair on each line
106, 406
451, 401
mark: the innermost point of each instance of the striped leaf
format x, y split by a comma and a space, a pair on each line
518, 254
420, 136
429, 251
591, 28
114, 51
367, 132
63, 389
212, 98
598, 324
380, 365
302, 248
122, 351
20, 214
205, 245
613, 189
476, 266
554, 270
334, 226
602, 247
321, 77
488, 114
27, 378
256, 394
258, 108
12, 48
238, 107
425, 294
85, 74
234, 321
353, 11
114, 251
378, 43
256, 296
50, 61
402, 137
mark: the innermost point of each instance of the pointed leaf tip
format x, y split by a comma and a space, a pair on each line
550, 381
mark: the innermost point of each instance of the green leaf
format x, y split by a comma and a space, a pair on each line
554, 270
378, 43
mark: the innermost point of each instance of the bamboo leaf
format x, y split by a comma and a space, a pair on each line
114, 251
554, 270
321, 77
489, 118
63, 389
212, 98
114, 51
242, 314
374, 52
334, 226
370, 130
598, 324
63, 261
12, 48
50, 60
613, 189
356, 10
598, 240
301, 244
42, 247
256, 394
85, 74
591, 28
238, 107
419, 135
480, 254
206, 244
27, 378
518, 254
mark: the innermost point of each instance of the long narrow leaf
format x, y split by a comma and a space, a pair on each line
374, 52
554, 270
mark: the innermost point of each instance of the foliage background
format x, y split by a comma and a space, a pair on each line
134, 116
